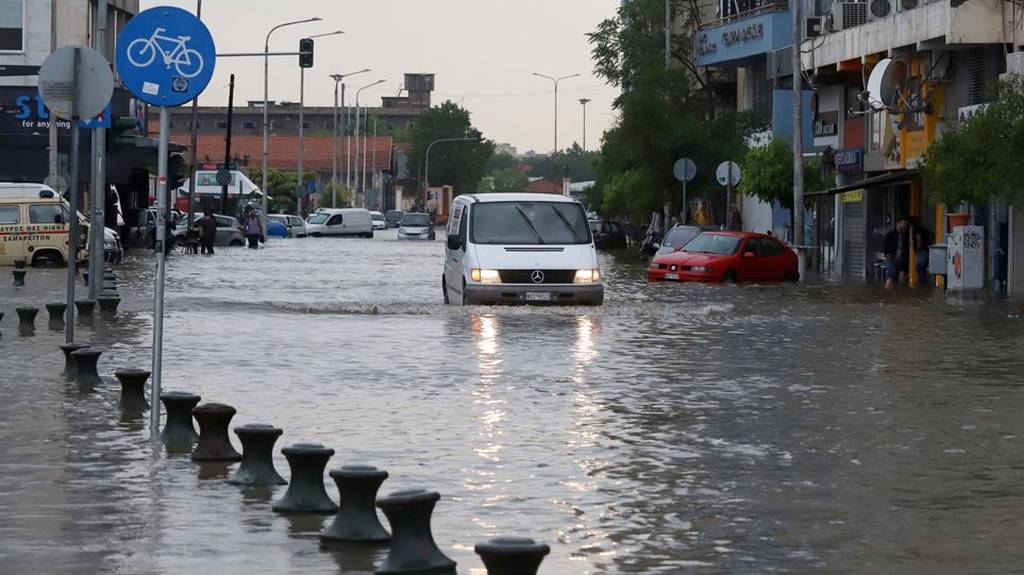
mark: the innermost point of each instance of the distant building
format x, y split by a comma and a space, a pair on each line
545, 186
506, 148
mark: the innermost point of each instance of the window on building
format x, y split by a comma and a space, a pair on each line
249, 126
877, 128
199, 125
172, 125
10, 215
307, 125
222, 125
12, 25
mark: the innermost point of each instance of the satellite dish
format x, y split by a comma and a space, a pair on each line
880, 8
884, 84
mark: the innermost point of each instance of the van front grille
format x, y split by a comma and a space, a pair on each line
527, 276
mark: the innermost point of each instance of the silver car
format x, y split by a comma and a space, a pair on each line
228, 233
678, 236
416, 226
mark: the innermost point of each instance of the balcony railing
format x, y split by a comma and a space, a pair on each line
744, 10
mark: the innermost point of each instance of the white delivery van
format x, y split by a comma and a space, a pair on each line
343, 222
520, 249
34, 226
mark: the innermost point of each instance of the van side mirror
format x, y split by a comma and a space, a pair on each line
454, 243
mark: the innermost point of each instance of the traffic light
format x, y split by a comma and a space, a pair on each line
306, 53
175, 172
122, 133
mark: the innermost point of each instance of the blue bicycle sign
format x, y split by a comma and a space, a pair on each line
165, 56
188, 62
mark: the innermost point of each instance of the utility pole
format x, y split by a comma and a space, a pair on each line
53, 148
556, 81
195, 144
98, 197
302, 140
584, 102
373, 166
798, 144
668, 34
227, 146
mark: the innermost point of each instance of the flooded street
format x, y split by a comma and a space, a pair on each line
716, 429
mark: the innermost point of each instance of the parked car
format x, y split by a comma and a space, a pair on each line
228, 232
520, 249
342, 222
393, 218
276, 229
296, 228
608, 235
677, 237
141, 227
416, 226
727, 257
378, 220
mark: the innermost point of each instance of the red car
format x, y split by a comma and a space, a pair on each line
727, 257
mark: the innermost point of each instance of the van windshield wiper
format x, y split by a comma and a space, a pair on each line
529, 222
565, 221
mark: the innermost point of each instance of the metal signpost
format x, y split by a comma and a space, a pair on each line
165, 57
685, 170
728, 175
75, 81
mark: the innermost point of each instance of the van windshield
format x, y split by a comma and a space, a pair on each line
318, 218
528, 223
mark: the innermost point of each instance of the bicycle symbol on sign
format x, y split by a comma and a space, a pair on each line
188, 62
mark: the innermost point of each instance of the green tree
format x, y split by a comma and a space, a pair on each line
980, 160
457, 164
501, 161
768, 173
574, 162
504, 180
282, 186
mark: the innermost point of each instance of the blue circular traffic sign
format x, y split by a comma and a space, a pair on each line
165, 56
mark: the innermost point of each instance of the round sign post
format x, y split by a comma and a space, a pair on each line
728, 174
75, 82
684, 170
165, 57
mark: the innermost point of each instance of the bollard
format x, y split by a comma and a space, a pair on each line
306, 492
70, 365
56, 311
133, 389
86, 359
19, 277
357, 515
178, 434
108, 306
85, 308
26, 320
412, 545
85, 278
512, 555
214, 443
257, 467
19, 264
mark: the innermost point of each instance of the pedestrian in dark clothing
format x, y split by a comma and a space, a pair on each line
253, 230
922, 239
207, 232
896, 248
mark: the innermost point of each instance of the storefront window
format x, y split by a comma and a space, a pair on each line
877, 128
12, 25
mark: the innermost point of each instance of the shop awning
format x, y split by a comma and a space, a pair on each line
897, 177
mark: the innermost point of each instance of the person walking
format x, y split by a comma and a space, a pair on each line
896, 248
253, 229
207, 232
922, 238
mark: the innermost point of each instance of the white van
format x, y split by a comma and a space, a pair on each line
343, 222
520, 249
34, 226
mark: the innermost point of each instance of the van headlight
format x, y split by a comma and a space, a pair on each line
486, 277
591, 276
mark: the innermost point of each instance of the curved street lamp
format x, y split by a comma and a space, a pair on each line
334, 144
555, 81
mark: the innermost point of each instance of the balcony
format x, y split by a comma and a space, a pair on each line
746, 10
748, 29
926, 25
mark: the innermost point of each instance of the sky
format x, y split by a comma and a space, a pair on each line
483, 53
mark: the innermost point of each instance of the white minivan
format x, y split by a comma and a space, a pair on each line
520, 249
343, 222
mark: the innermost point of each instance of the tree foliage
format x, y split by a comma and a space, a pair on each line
664, 115
980, 160
457, 164
504, 180
574, 162
768, 173
282, 186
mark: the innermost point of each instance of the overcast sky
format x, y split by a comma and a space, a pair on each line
482, 51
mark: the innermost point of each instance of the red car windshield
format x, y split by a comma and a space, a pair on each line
717, 244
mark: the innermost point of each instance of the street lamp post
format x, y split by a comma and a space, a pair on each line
302, 130
556, 81
358, 150
426, 163
266, 89
334, 142
584, 102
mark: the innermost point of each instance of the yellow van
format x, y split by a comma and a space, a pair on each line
34, 226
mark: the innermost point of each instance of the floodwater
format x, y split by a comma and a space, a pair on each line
707, 429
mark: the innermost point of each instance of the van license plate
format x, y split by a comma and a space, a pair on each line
672, 277
538, 296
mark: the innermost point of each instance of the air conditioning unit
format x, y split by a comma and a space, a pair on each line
878, 9
848, 15
814, 26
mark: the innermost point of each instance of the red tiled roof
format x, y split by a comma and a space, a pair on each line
545, 187
283, 151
